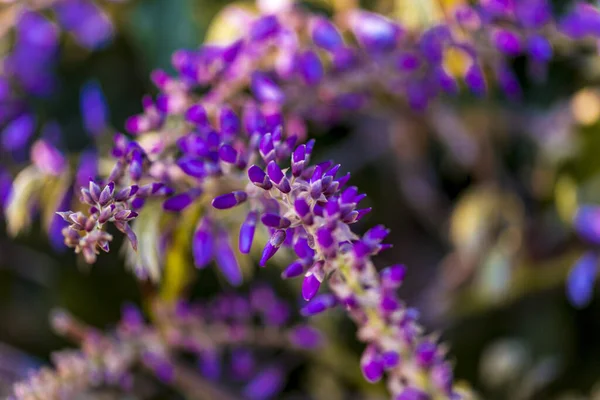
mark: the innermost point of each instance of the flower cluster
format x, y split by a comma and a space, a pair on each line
229, 133
231, 335
310, 68
28, 67
27, 72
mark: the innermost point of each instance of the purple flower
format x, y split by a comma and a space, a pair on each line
265, 89
306, 337
226, 259
371, 364
310, 68
181, 201
247, 232
272, 246
229, 200
89, 24
93, 108
319, 304
375, 32
17, 133
507, 42
580, 283
47, 158
325, 34
587, 223
203, 246
266, 384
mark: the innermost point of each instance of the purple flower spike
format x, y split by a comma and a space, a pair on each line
229, 200
267, 384
580, 283
265, 89
310, 67
310, 286
325, 34
305, 337
375, 32
278, 178
371, 364
181, 201
247, 232
17, 133
196, 114
319, 304
226, 260
93, 108
275, 221
272, 246
203, 243
507, 42
259, 178
293, 270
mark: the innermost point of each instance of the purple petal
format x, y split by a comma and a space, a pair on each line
375, 32
88, 23
587, 223
18, 132
197, 115
310, 67
267, 384
325, 34
310, 286
181, 201
371, 365
580, 283
229, 200
226, 260
265, 89
203, 244
93, 108
305, 337
247, 232
293, 270
272, 246
263, 28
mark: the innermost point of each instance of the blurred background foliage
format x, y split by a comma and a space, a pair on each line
479, 195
